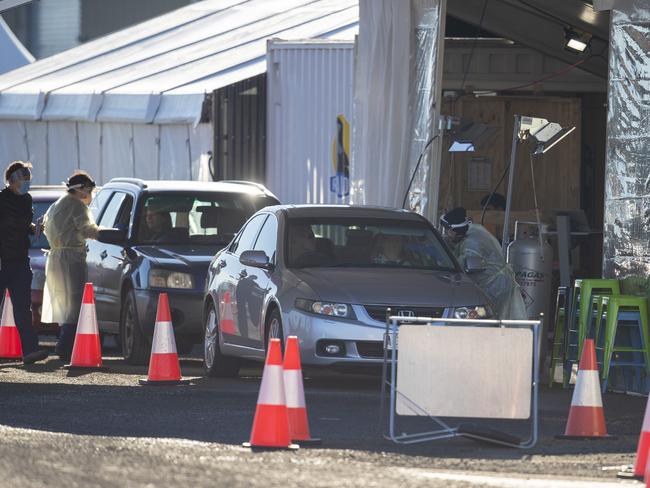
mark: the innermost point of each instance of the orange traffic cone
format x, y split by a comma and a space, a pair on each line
164, 367
10, 346
295, 395
87, 350
226, 320
638, 471
586, 417
271, 423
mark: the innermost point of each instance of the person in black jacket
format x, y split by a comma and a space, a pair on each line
16, 214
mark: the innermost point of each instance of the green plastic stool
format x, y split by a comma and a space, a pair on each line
598, 302
581, 317
562, 301
625, 308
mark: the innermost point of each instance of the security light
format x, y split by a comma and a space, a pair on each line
459, 146
576, 41
469, 135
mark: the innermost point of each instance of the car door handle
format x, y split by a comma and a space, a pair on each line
243, 273
104, 254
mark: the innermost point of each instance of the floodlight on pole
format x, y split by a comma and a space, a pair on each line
469, 135
545, 134
548, 136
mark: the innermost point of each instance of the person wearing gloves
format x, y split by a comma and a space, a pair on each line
68, 223
497, 279
16, 214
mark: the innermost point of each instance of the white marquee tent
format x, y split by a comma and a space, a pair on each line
130, 103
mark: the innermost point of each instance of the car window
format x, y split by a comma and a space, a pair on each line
40, 207
124, 215
99, 201
267, 240
109, 217
211, 218
365, 242
246, 238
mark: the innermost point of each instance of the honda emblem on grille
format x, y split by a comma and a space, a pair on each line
406, 313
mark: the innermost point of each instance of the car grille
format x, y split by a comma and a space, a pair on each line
378, 312
370, 349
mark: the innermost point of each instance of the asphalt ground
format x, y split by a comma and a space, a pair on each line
103, 429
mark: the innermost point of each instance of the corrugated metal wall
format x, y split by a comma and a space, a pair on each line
310, 86
239, 122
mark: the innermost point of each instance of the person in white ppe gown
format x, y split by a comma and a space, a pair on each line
497, 280
68, 223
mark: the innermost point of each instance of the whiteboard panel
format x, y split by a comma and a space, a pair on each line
477, 372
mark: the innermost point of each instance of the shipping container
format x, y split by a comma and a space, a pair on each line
309, 112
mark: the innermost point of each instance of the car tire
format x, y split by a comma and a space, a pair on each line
214, 362
273, 328
135, 346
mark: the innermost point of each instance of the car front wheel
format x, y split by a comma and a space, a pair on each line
274, 328
214, 362
135, 347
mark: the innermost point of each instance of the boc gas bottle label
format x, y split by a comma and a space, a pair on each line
529, 277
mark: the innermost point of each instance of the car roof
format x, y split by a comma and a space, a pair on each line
46, 192
248, 188
338, 211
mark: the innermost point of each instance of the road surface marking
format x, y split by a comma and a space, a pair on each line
519, 482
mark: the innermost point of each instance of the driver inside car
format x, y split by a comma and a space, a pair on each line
388, 250
303, 248
159, 225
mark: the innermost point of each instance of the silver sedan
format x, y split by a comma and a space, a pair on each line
327, 274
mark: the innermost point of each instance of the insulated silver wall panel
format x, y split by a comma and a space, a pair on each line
627, 178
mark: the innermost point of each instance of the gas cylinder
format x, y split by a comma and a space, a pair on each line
532, 265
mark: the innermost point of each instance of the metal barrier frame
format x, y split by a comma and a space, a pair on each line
446, 431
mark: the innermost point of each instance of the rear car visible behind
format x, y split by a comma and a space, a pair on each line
42, 198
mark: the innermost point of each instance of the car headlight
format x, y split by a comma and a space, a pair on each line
161, 278
333, 309
478, 312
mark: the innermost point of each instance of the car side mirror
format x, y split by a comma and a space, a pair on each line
112, 236
255, 259
474, 264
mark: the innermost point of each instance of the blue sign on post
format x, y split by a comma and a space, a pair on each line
340, 183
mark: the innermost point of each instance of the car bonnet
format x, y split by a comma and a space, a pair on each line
392, 286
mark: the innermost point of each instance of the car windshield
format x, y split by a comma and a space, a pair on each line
195, 218
367, 243
40, 207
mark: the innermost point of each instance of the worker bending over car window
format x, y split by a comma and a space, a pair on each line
496, 279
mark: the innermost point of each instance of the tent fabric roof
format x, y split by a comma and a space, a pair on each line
159, 71
12, 53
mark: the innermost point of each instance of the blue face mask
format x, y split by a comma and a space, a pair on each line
24, 187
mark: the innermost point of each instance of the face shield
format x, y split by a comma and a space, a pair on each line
84, 190
454, 233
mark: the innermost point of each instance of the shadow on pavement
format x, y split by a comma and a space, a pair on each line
343, 411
